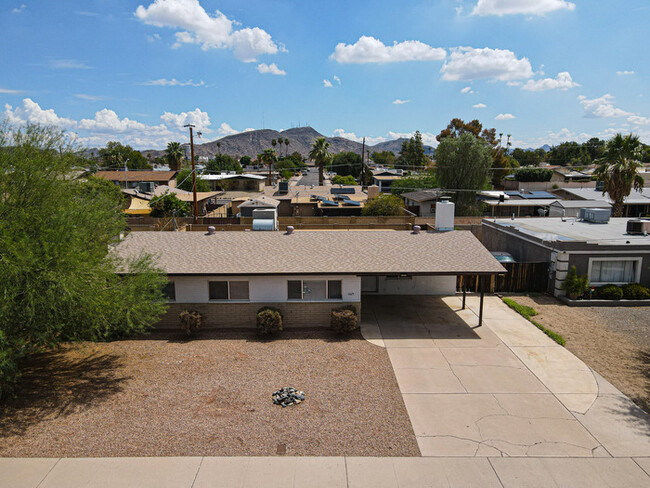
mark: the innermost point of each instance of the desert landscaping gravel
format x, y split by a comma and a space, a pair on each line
614, 341
210, 396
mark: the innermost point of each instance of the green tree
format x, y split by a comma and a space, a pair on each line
346, 163
184, 181
384, 158
169, 205
617, 169
565, 154
267, 158
286, 146
115, 155
412, 153
218, 147
320, 155
457, 127
245, 161
463, 163
344, 180
526, 157
383, 204
414, 183
290, 163
222, 163
58, 278
174, 155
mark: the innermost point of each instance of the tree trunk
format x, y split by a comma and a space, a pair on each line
617, 210
320, 175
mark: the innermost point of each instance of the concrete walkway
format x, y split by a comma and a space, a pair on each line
335, 472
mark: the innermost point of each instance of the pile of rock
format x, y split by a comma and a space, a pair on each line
288, 396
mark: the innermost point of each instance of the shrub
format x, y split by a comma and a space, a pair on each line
534, 174
191, 321
635, 291
609, 292
269, 320
344, 180
575, 285
344, 319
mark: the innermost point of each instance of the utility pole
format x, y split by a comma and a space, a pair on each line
363, 161
196, 205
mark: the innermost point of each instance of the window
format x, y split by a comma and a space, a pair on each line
228, 290
314, 290
169, 291
614, 270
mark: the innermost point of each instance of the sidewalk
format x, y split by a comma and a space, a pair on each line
335, 472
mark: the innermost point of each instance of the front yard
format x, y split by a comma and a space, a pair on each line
160, 396
614, 341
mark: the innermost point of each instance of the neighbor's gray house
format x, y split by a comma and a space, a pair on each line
606, 252
229, 276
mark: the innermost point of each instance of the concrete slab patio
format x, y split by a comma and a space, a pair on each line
503, 389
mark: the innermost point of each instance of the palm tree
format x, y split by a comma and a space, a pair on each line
274, 143
219, 147
174, 155
268, 157
320, 155
617, 169
286, 147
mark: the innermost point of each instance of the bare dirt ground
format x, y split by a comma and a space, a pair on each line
614, 341
161, 396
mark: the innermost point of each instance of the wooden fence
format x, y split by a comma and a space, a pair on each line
520, 278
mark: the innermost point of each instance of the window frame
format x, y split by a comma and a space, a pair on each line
638, 264
229, 299
302, 295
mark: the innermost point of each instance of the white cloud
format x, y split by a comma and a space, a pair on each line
467, 89
466, 64
370, 140
225, 130
327, 83
154, 38
562, 81
107, 121
428, 138
638, 120
624, 73
526, 7
479, 105
370, 50
172, 82
18, 10
10, 92
397, 101
210, 31
271, 69
337, 79
504, 117
31, 112
92, 98
196, 117
602, 107
67, 64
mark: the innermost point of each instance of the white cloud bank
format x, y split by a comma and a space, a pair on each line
173, 82
397, 101
504, 117
526, 7
562, 81
602, 107
625, 73
479, 105
270, 69
370, 50
210, 31
467, 64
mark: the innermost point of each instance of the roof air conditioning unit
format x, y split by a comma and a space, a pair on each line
146, 186
265, 219
284, 187
638, 226
444, 214
595, 215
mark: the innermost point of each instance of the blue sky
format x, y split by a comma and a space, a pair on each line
136, 71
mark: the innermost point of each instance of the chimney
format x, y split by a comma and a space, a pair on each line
416, 229
289, 230
373, 191
444, 215
211, 230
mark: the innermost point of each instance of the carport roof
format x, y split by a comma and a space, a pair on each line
313, 252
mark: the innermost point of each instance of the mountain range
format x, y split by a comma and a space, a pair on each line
253, 142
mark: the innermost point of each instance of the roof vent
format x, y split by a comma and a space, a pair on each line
289, 230
416, 229
211, 230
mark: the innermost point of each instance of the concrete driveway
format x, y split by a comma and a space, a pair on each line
503, 389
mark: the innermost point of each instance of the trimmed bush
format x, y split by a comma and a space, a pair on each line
191, 321
575, 286
269, 320
609, 292
344, 319
635, 291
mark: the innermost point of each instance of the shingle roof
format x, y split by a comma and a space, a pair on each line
137, 175
313, 252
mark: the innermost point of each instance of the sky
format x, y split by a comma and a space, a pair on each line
543, 71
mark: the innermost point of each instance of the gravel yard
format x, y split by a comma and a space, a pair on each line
160, 396
614, 341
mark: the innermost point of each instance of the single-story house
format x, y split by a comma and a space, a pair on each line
139, 179
261, 202
571, 208
422, 202
235, 182
139, 201
384, 178
635, 205
603, 251
229, 276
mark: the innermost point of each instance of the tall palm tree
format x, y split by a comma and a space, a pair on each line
286, 147
219, 147
617, 169
268, 157
320, 155
174, 155
274, 143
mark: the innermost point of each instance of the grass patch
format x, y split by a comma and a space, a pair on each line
528, 312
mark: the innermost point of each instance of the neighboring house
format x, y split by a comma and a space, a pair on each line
139, 179
603, 251
635, 205
422, 202
139, 201
571, 208
518, 207
229, 276
314, 201
384, 178
245, 209
235, 182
